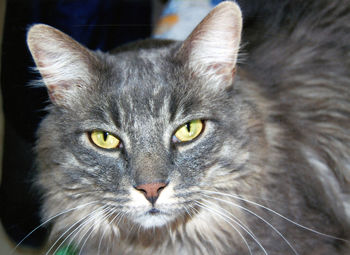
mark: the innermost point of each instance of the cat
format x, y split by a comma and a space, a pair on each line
234, 141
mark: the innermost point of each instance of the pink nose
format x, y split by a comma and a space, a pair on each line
151, 190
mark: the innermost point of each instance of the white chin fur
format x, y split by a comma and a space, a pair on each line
152, 221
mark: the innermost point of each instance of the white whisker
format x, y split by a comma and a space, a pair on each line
223, 216
81, 227
259, 217
109, 212
64, 233
278, 214
188, 212
50, 219
241, 224
104, 232
132, 227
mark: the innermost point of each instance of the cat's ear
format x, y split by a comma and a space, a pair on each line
65, 66
212, 48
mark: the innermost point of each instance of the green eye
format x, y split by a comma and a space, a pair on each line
189, 131
104, 140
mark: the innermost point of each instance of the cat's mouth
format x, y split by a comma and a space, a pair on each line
154, 211
153, 218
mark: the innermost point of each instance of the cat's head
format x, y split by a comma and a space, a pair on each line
140, 134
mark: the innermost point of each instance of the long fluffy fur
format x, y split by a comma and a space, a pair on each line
268, 175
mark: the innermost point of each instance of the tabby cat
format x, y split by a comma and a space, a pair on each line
214, 145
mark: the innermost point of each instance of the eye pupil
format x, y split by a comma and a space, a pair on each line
188, 126
105, 135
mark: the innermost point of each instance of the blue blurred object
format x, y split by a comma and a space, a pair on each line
180, 17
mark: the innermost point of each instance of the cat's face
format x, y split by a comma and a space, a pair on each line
164, 126
142, 131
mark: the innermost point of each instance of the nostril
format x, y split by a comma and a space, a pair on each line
160, 189
142, 190
151, 190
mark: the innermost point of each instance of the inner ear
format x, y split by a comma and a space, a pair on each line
212, 48
65, 65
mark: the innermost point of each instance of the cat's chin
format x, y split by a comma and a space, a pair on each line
151, 220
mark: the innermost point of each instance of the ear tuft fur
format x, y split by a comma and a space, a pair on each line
63, 63
212, 48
